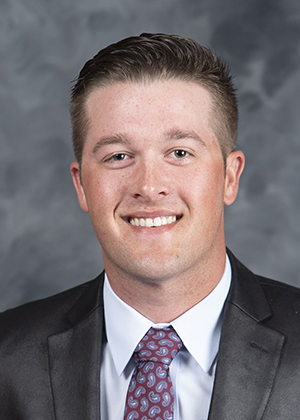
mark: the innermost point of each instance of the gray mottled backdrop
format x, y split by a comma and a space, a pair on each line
47, 243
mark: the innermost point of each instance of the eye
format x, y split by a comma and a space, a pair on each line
118, 157
179, 154
118, 160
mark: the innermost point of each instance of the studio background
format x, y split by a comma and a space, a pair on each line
47, 243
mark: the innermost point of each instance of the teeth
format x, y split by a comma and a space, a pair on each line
157, 221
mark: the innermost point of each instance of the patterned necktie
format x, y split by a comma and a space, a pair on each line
150, 394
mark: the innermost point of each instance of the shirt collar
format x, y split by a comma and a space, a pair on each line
199, 328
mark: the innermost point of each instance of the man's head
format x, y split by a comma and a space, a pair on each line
151, 57
151, 172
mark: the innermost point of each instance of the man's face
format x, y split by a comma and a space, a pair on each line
153, 178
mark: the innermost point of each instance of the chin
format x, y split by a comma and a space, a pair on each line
153, 271
145, 266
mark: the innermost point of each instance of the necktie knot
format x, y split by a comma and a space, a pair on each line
159, 345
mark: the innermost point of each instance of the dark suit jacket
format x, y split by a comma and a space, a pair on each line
50, 353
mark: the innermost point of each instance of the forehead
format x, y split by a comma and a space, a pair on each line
155, 101
150, 93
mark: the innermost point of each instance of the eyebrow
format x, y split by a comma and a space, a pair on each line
184, 134
170, 136
113, 139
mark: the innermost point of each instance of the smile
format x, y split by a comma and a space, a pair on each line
148, 222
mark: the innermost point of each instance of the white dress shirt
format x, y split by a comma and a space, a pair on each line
193, 369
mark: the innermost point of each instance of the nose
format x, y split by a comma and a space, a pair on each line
150, 181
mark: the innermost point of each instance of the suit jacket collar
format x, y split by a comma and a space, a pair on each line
75, 356
249, 351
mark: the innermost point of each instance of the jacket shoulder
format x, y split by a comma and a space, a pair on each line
25, 336
278, 286
284, 300
264, 299
44, 316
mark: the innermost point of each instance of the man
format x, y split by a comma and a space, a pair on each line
176, 328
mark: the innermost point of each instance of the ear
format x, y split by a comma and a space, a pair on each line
75, 171
234, 167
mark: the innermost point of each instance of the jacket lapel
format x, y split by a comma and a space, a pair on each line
249, 351
74, 359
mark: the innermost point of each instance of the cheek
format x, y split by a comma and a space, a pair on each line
203, 191
103, 195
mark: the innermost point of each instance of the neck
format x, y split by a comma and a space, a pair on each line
162, 301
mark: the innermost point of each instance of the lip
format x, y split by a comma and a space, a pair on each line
151, 214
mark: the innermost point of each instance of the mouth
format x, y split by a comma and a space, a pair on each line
153, 222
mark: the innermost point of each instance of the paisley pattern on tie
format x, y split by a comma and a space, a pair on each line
150, 394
